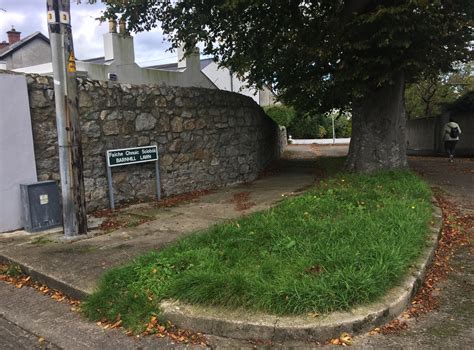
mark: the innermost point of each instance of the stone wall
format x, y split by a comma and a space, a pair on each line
206, 138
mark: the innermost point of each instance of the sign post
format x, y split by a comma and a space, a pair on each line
127, 156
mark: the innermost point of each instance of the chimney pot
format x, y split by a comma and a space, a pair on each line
112, 26
122, 27
13, 36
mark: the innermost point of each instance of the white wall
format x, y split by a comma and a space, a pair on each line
120, 60
17, 158
222, 79
119, 53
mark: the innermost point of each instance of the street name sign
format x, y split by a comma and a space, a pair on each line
128, 156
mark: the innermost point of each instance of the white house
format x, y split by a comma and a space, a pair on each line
118, 64
18, 52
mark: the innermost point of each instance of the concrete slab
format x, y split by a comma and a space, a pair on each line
119, 247
76, 266
37, 315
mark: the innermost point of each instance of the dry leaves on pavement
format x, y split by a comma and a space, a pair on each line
455, 231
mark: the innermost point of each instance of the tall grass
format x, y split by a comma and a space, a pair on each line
341, 244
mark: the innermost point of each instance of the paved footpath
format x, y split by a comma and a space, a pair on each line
26, 317
74, 267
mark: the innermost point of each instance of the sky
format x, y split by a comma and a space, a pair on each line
29, 16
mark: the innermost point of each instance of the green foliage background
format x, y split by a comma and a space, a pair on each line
319, 55
310, 125
281, 114
426, 98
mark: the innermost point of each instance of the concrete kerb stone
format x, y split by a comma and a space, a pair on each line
50, 281
242, 324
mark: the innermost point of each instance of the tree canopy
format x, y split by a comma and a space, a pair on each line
324, 55
428, 96
318, 54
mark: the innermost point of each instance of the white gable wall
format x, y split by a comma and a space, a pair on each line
222, 79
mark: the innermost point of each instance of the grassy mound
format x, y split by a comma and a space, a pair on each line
341, 244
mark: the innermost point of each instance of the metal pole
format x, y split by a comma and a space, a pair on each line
158, 185
333, 130
111, 188
67, 118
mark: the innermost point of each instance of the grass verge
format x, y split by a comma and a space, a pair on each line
343, 243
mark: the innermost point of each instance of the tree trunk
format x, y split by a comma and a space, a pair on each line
378, 130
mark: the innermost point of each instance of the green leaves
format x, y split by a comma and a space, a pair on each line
317, 54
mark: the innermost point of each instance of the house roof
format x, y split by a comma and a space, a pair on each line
13, 47
174, 66
168, 66
98, 60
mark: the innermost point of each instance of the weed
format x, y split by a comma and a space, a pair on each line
41, 240
11, 270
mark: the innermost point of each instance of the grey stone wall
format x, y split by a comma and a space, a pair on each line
206, 138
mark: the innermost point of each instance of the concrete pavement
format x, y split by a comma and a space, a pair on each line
99, 253
75, 267
450, 326
27, 316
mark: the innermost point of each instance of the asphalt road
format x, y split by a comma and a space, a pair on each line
15, 338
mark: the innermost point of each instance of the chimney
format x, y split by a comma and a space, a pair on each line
3, 44
118, 46
13, 36
190, 61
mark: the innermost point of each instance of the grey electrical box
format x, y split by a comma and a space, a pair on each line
41, 206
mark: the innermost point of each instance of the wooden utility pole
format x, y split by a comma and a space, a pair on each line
67, 118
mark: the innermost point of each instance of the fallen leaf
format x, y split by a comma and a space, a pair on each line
346, 338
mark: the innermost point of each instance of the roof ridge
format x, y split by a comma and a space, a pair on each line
22, 42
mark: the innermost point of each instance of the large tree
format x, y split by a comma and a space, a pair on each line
325, 54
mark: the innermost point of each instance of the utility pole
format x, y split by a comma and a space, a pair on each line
67, 118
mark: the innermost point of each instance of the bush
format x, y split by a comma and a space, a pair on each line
343, 126
306, 126
316, 126
465, 103
283, 115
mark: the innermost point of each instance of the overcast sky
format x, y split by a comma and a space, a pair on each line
29, 16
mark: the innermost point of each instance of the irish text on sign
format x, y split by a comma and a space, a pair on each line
126, 156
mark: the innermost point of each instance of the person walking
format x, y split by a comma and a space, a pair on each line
451, 132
